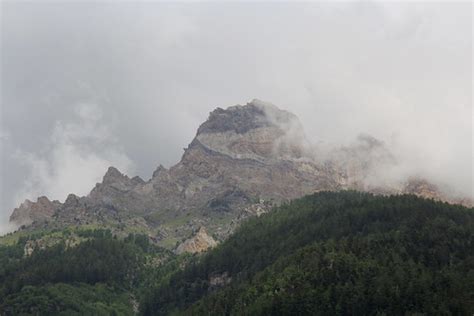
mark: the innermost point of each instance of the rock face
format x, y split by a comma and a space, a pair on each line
39, 211
198, 243
258, 131
240, 157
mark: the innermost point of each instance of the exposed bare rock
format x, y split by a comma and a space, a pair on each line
423, 188
240, 156
39, 211
29, 248
113, 184
72, 200
200, 242
258, 131
49, 241
159, 171
258, 209
219, 280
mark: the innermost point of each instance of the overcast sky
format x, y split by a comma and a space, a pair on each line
88, 85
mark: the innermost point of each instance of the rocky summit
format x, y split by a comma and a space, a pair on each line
243, 160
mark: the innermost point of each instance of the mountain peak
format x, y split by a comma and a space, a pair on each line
238, 118
243, 118
113, 175
112, 184
29, 212
241, 155
158, 171
71, 200
257, 130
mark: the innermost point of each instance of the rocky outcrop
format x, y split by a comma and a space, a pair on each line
258, 131
72, 240
200, 242
240, 156
40, 211
422, 188
217, 281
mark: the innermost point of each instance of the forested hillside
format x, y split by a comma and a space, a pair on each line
99, 276
334, 253
328, 253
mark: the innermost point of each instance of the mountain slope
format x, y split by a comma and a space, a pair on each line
98, 276
243, 160
333, 253
330, 253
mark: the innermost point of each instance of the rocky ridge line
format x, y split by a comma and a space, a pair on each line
240, 156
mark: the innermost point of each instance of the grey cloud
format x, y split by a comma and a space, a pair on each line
400, 72
73, 159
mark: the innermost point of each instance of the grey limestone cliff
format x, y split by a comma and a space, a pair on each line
243, 160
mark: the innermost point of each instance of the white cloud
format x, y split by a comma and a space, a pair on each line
77, 155
401, 72
6, 228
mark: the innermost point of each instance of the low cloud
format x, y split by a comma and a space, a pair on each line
76, 156
400, 72
6, 228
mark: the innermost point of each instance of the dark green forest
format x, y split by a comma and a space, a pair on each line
331, 253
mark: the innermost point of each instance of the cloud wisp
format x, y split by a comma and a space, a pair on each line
75, 157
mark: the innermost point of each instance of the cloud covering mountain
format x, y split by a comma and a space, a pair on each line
87, 85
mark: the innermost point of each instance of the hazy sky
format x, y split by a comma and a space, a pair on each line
88, 85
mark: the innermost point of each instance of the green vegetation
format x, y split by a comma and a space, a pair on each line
333, 254
66, 299
97, 276
345, 253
